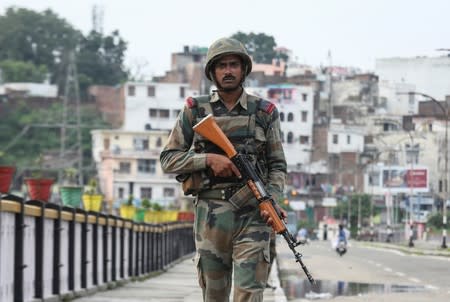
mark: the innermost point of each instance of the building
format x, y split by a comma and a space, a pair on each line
428, 74
128, 165
128, 158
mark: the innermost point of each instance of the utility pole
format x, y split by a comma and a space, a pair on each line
411, 192
71, 96
446, 113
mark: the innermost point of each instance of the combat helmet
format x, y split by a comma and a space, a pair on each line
226, 46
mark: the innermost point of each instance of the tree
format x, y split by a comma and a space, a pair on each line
19, 71
37, 38
260, 46
100, 60
44, 39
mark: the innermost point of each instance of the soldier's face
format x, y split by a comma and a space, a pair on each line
228, 72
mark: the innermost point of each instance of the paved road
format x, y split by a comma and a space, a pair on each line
382, 270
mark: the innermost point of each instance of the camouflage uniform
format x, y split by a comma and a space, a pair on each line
230, 237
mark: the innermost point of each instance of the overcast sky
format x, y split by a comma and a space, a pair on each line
355, 31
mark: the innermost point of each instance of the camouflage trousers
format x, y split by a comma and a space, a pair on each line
231, 244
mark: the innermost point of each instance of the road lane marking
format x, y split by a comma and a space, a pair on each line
414, 280
388, 269
400, 274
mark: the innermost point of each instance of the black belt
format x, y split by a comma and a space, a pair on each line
221, 194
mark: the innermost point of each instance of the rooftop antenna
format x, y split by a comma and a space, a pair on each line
97, 18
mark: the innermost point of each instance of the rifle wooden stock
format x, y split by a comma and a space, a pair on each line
209, 129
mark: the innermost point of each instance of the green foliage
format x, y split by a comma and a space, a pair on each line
29, 36
435, 221
100, 59
130, 200
23, 142
19, 71
43, 40
157, 207
260, 46
92, 188
342, 209
146, 204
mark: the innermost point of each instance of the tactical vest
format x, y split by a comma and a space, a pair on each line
246, 130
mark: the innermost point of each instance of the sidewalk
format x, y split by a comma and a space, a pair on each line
177, 284
421, 247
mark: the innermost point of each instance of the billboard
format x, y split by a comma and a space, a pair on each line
401, 179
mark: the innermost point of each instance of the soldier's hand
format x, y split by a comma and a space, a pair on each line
221, 165
269, 220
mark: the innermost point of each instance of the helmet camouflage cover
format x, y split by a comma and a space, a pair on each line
226, 46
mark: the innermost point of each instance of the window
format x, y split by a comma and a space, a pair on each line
153, 113
290, 117
349, 139
304, 139
304, 116
182, 92
169, 192
147, 166
304, 97
374, 178
131, 90
290, 137
124, 168
106, 144
140, 143
335, 139
412, 153
164, 113
121, 193
176, 112
150, 90
146, 192
282, 116
282, 136
158, 142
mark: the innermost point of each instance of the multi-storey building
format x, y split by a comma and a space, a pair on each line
128, 158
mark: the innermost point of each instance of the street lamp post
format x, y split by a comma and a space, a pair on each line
411, 193
444, 206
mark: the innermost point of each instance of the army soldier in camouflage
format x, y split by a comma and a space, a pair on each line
231, 234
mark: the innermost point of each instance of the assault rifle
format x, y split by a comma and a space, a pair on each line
209, 129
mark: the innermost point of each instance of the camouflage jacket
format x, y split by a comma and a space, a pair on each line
179, 156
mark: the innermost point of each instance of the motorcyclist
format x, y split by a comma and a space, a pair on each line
341, 247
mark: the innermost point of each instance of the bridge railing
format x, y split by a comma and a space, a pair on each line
49, 251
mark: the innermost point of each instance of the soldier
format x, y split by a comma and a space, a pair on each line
231, 235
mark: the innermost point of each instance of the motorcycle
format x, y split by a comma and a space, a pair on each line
341, 248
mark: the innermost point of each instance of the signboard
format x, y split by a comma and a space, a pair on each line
329, 202
401, 179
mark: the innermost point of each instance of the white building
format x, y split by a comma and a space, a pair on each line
295, 105
150, 105
345, 138
394, 98
430, 75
